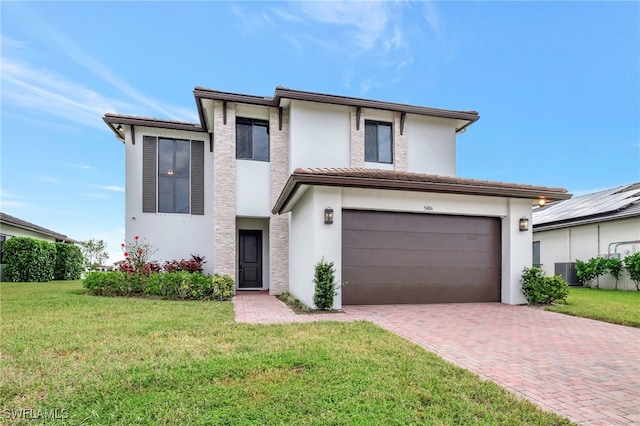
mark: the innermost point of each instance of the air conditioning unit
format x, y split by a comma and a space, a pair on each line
567, 271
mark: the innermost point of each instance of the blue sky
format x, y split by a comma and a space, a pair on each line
557, 85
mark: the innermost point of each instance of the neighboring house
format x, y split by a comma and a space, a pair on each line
604, 223
266, 187
11, 226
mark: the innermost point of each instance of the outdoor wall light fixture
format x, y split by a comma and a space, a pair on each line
524, 224
119, 128
328, 216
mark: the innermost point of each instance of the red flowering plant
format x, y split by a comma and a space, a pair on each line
137, 255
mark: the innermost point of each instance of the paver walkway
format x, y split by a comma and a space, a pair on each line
586, 370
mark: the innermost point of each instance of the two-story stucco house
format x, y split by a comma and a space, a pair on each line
265, 187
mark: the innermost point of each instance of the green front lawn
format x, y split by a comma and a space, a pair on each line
616, 306
125, 361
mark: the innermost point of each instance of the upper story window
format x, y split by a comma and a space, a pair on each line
252, 139
378, 142
172, 175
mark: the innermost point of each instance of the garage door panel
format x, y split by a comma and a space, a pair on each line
361, 257
390, 257
388, 221
416, 294
413, 240
427, 276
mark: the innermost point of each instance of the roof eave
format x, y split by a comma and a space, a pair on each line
204, 93
40, 230
142, 121
582, 221
119, 135
284, 93
297, 179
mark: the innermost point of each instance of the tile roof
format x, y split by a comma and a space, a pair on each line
613, 203
409, 181
23, 224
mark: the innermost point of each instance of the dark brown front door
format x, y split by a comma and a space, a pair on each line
390, 257
250, 259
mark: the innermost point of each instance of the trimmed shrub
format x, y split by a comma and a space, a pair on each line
112, 283
632, 265
325, 286
539, 289
180, 285
590, 270
615, 268
28, 260
169, 285
68, 264
223, 287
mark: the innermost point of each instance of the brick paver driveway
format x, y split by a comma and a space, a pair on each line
588, 371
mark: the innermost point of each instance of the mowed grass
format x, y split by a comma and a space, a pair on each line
125, 361
616, 306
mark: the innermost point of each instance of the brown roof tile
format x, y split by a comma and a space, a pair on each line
409, 181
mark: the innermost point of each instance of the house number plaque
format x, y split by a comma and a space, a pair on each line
428, 208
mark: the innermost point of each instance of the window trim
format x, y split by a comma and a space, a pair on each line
253, 122
377, 123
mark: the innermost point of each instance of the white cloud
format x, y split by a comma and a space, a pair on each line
12, 203
432, 16
45, 179
385, 35
46, 92
9, 200
115, 188
95, 195
366, 22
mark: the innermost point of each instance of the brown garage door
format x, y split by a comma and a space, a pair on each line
390, 257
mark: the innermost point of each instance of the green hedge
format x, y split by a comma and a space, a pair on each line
170, 285
539, 289
28, 260
68, 264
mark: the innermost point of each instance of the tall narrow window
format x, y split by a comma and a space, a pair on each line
378, 142
252, 139
173, 175
536, 254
